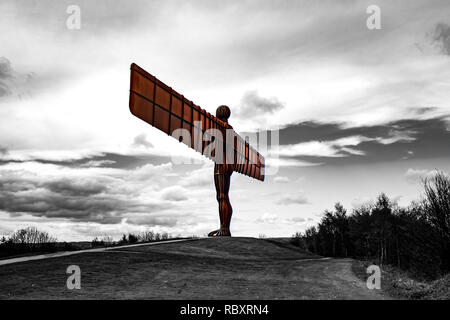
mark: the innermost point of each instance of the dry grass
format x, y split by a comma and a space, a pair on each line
401, 285
222, 268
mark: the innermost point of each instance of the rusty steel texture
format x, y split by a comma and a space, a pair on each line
162, 107
159, 105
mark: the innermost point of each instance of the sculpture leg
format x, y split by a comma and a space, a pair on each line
222, 182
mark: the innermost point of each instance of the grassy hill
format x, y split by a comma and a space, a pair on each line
216, 268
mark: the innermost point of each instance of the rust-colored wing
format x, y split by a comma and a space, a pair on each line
162, 107
248, 161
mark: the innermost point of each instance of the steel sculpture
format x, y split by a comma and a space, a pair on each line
162, 107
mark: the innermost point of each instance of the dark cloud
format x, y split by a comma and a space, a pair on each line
12, 82
41, 203
422, 110
94, 198
123, 161
141, 140
441, 37
5, 77
414, 139
104, 209
5, 68
315, 131
3, 151
68, 187
252, 104
3, 90
97, 17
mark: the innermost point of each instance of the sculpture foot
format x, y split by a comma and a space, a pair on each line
220, 233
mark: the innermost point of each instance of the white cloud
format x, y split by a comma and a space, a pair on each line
311, 148
174, 193
341, 147
418, 175
267, 217
274, 219
281, 179
50, 155
199, 177
332, 148
274, 163
398, 136
98, 163
362, 202
289, 199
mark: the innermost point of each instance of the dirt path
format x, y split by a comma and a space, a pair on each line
233, 268
334, 279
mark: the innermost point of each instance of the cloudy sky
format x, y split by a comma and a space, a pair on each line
359, 111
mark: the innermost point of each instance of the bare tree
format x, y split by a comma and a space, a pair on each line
31, 236
147, 236
437, 203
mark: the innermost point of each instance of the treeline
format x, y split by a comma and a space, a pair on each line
30, 240
130, 238
416, 238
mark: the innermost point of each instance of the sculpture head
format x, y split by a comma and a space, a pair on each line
223, 113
